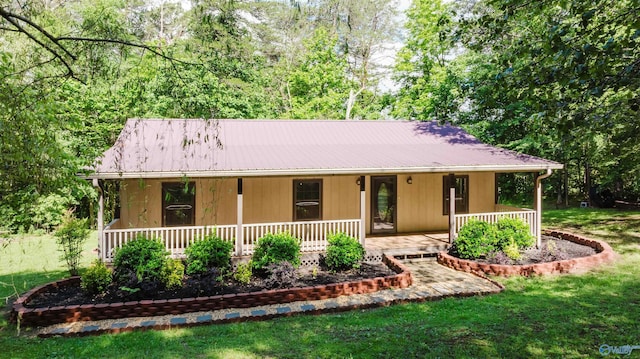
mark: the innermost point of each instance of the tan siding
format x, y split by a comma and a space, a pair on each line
419, 205
481, 192
216, 201
268, 199
341, 197
140, 203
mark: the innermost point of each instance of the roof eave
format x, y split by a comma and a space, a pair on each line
324, 171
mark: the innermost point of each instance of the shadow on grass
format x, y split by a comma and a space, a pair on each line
559, 316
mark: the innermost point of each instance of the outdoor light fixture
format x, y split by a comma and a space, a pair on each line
358, 181
409, 180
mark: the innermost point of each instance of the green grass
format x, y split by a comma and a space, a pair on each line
567, 316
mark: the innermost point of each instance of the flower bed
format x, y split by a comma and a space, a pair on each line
604, 254
73, 313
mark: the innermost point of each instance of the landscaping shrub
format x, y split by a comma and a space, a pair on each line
210, 252
243, 273
143, 257
172, 274
96, 279
281, 275
343, 252
514, 230
512, 251
475, 239
70, 237
276, 248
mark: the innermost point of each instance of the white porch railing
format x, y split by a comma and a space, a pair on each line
526, 215
176, 239
313, 233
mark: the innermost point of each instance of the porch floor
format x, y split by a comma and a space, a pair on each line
408, 245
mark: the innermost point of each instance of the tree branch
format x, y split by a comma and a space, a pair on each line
126, 43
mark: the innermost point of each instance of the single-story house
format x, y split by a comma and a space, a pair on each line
182, 178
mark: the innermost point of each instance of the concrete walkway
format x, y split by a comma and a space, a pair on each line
431, 281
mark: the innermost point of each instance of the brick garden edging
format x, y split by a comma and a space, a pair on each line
86, 312
604, 254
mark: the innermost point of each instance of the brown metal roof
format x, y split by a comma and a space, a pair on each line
231, 148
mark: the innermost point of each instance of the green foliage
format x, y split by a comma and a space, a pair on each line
512, 251
70, 237
48, 211
210, 252
243, 273
172, 274
276, 248
319, 87
513, 230
96, 278
343, 252
475, 239
144, 257
479, 238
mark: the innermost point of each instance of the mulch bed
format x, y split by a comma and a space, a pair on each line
203, 287
552, 249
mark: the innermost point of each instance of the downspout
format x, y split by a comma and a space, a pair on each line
539, 206
100, 224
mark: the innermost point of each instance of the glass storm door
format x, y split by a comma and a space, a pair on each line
383, 204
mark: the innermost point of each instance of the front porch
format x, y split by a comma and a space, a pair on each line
312, 234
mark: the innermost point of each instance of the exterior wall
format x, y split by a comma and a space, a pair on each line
141, 202
419, 205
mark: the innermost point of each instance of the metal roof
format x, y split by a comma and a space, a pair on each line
161, 148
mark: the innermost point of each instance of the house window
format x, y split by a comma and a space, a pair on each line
462, 194
307, 200
178, 204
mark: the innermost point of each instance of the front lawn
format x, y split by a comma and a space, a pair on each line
568, 316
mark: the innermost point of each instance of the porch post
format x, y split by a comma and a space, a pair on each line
538, 199
100, 224
239, 231
452, 207
363, 210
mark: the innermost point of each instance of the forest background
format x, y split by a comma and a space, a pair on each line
553, 78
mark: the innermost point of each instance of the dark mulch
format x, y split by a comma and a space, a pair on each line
552, 249
205, 286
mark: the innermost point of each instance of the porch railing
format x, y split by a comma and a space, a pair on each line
526, 215
313, 233
176, 239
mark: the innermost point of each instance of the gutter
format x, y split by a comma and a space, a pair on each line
322, 172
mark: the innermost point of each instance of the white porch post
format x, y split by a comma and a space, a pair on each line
452, 207
363, 210
538, 199
239, 231
100, 224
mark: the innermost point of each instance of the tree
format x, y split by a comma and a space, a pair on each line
318, 87
426, 86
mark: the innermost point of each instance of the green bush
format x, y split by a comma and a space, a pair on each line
276, 248
172, 274
343, 252
513, 230
475, 239
70, 237
512, 251
96, 279
243, 273
142, 256
210, 252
